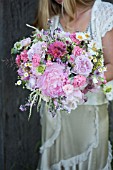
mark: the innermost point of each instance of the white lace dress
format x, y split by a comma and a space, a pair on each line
79, 141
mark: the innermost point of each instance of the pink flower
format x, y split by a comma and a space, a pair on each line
74, 39
68, 89
83, 66
77, 51
24, 56
57, 49
18, 60
79, 81
36, 60
52, 81
72, 59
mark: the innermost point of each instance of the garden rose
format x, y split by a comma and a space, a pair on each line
77, 51
83, 66
79, 81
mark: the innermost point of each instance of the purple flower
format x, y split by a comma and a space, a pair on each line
32, 82
22, 108
37, 48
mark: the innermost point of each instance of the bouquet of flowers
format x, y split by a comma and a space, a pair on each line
59, 68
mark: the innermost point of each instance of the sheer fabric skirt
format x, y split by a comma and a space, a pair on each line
76, 141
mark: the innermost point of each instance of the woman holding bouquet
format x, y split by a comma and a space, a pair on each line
79, 141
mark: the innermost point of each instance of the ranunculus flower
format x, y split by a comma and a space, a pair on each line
83, 66
36, 60
77, 51
52, 81
24, 56
79, 81
18, 60
57, 49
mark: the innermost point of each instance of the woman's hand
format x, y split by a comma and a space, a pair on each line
107, 42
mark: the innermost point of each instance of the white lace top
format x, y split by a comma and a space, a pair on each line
101, 23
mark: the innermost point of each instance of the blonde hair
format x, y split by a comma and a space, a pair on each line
49, 8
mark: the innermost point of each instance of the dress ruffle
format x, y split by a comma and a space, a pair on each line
73, 161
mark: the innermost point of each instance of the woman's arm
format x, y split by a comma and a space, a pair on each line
107, 42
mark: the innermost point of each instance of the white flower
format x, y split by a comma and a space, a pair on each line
19, 82
80, 36
18, 45
95, 81
26, 74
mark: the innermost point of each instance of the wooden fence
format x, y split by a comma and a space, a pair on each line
19, 139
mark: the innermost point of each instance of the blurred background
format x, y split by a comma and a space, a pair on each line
19, 139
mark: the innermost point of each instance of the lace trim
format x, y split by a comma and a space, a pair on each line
72, 162
108, 28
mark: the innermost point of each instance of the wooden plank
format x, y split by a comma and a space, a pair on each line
1, 90
20, 137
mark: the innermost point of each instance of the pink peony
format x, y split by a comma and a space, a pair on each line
79, 81
24, 56
74, 39
77, 51
18, 60
57, 49
52, 81
36, 60
83, 66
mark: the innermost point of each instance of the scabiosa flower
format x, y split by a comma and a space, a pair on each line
57, 49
